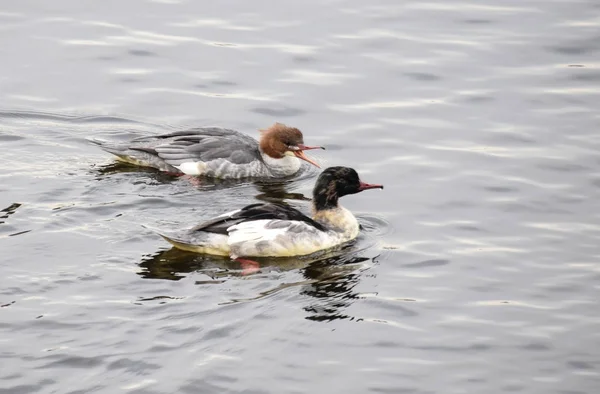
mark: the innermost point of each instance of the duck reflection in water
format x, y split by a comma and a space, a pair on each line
174, 263
329, 279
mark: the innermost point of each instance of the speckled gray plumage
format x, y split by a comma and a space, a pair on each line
209, 151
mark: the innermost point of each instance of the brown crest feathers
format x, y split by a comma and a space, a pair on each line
274, 141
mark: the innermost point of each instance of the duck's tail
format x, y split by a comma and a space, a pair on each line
118, 149
195, 241
126, 154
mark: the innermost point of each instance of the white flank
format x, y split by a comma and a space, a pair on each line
249, 238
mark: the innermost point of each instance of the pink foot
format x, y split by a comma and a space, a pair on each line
192, 179
248, 266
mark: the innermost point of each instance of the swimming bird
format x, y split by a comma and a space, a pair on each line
217, 152
276, 230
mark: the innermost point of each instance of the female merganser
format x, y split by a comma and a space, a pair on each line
217, 152
274, 230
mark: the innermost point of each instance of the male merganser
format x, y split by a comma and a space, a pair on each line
217, 152
274, 230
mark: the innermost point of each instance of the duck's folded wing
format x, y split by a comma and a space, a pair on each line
259, 212
202, 145
271, 230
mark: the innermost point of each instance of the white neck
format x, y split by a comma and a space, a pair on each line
338, 219
287, 165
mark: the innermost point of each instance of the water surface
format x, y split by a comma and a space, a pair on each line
477, 268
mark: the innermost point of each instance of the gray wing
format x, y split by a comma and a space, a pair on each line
201, 144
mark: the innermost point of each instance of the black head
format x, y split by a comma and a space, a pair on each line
336, 182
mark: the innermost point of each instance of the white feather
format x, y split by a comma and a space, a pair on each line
253, 231
228, 214
192, 167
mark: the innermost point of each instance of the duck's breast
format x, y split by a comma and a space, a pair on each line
286, 166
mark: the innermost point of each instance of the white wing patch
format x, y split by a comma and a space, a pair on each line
192, 167
253, 230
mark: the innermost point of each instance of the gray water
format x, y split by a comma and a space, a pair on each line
478, 268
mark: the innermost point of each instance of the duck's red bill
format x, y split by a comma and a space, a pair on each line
305, 147
366, 186
300, 154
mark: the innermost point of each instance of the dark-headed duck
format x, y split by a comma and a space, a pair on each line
266, 229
